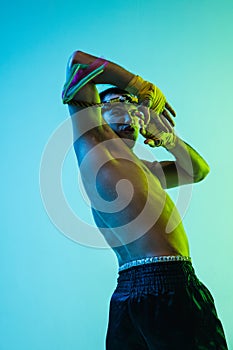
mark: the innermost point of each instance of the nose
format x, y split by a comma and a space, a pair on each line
128, 117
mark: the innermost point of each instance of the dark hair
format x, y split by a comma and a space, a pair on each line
112, 90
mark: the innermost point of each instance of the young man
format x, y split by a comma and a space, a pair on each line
159, 303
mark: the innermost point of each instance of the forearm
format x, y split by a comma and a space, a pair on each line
106, 72
112, 74
190, 160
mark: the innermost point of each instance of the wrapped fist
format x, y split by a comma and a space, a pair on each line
150, 97
159, 132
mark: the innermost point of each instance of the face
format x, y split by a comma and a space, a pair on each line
124, 118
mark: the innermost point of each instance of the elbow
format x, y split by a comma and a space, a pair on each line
76, 57
204, 171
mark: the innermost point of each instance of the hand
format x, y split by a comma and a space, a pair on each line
150, 97
159, 132
167, 111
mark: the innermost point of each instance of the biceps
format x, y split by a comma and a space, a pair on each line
170, 174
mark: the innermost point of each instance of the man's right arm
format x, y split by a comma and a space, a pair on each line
112, 74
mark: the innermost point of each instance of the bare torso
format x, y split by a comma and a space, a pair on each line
159, 231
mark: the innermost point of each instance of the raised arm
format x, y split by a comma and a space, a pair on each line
149, 95
114, 178
88, 123
112, 74
188, 167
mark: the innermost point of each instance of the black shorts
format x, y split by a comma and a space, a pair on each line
163, 306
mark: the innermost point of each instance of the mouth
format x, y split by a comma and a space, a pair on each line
127, 129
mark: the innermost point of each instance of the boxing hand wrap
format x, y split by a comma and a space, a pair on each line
79, 75
168, 140
148, 94
164, 139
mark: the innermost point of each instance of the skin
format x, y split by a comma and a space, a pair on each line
115, 132
124, 119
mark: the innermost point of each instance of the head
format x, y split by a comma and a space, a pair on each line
122, 116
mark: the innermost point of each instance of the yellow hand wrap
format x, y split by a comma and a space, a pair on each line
167, 139
148, 94
159, 133
164, 139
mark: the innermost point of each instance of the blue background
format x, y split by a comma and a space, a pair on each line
54, 293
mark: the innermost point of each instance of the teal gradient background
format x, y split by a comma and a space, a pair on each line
54, 293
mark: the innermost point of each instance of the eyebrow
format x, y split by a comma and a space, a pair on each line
117, 106
122, 105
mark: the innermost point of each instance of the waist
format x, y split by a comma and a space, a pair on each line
156, 277
153, 260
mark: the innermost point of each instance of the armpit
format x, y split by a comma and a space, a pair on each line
157, 170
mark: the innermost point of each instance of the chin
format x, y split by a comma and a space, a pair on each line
129, 142
128, 139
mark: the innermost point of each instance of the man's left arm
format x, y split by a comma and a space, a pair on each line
188, 166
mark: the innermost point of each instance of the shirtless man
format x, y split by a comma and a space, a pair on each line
159, 303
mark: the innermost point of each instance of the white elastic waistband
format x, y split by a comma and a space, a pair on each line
153, 259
